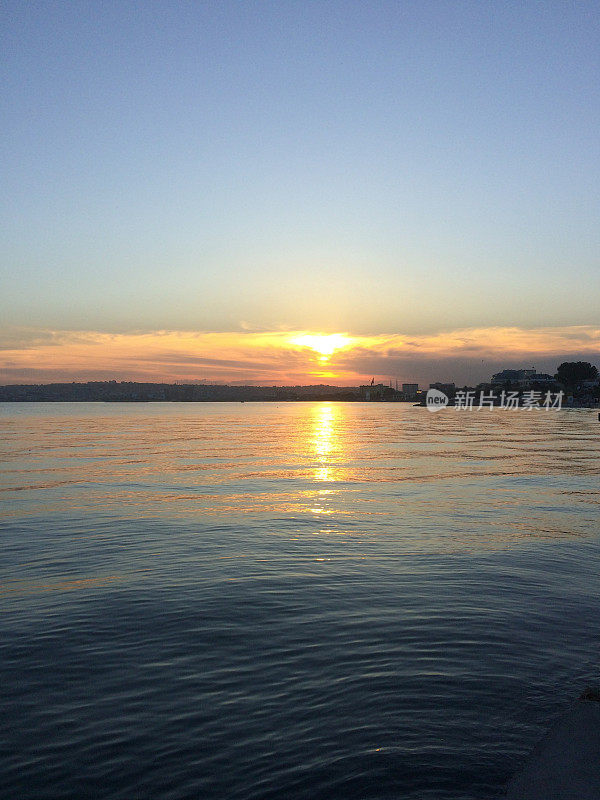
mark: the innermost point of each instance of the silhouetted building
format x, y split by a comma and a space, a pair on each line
409, 390
374, 391
447, 388
520, 377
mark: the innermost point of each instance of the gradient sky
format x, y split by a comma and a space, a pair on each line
408, 169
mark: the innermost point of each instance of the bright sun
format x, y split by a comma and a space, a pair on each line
325, 344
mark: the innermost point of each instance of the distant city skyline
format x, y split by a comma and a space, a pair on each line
189, 187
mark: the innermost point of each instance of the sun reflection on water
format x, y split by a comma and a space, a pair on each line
324, 454
324, 440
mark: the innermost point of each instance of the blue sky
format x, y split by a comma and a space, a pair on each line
366, 167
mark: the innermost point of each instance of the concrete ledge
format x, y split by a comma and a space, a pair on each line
565, 765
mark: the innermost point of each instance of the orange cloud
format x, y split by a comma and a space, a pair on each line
282, 357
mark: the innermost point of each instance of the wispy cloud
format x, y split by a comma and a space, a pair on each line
470, 354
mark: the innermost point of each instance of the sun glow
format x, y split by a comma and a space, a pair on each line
324, 344
293, 358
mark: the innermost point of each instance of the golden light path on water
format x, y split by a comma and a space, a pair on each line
354, 469
324, 420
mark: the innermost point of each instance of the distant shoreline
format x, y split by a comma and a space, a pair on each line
133, 392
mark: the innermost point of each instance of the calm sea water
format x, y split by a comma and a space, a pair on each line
304, 600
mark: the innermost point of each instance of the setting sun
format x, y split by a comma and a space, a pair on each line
324, 344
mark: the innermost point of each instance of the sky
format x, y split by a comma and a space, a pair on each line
195, 191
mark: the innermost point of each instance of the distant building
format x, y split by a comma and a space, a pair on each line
374, 391
447, 388
409, 390
520, 377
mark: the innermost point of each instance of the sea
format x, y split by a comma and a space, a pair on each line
311, 600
